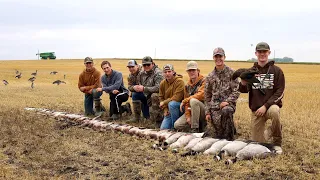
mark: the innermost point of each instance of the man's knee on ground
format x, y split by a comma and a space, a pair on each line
274, 111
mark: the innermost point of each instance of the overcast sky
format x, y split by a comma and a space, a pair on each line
185, 29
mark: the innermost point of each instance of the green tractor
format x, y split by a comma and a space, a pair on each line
47, 55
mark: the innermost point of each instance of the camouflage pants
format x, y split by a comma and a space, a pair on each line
156, 113
221, 125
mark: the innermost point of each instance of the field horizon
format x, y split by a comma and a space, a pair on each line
36, 147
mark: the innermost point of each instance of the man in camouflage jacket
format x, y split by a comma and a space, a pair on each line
148, 89
134, 79
221, 94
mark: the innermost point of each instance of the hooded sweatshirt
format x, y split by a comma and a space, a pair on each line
90, 79
198, 93
172, 90
272, 83
113, 82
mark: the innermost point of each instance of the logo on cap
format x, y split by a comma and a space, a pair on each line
168, 67
147, 60
262, 46
88, 59
218, 51
132, 63
192, 65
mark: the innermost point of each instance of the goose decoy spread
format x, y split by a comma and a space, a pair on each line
54, 72
5, 82
58, 82
35, 73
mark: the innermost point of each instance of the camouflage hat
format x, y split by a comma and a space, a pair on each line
168, 67
88, 59
147, 60
192, 65
218, 51
132, 63
262, 46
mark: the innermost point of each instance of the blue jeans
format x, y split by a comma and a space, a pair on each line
88, 101
141, 97
174, 109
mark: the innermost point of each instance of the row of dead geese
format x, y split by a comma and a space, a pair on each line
189, 143
33, 78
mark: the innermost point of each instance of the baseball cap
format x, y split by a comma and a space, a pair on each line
168, 67
262, 46
132, 63
192, 65
218, 51
88, 59
147, 60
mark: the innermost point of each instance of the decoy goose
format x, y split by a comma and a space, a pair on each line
32, 85
58, 82
35, 73
5, 82
32, 79
54, 72
18, 76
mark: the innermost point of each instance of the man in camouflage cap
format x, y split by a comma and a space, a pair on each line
171, 95
221, 94
89, 81
134, 79
148, 89
265, 105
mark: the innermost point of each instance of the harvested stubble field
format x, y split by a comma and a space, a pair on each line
35, 147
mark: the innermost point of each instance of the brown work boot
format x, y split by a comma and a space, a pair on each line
136, 111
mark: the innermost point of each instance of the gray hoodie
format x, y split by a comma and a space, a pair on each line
113, 82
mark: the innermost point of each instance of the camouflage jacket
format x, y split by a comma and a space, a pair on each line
220, 88
134, 79
151, 81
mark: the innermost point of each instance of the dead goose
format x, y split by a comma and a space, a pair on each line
253, 150
165, 135
133, 131
192, 143
201, 146
182, 141
216, 147
54, 72
173, 138
231, 149
58, 82
5, 82
204, 144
